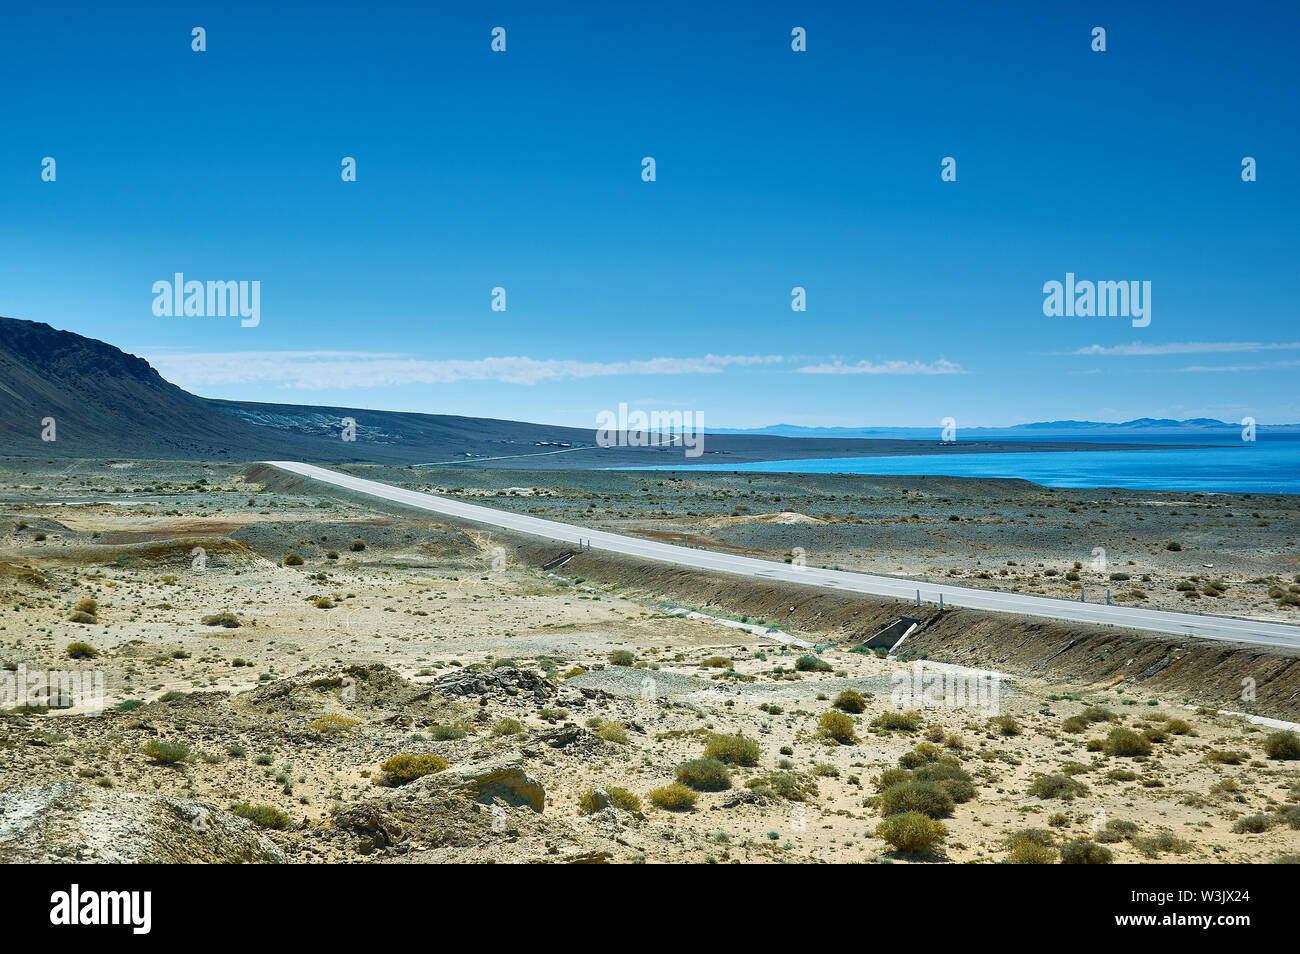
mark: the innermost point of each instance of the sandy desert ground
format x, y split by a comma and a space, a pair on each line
236, 678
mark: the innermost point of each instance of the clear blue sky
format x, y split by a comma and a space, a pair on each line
775, 169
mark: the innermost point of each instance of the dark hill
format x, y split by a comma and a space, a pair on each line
107, 403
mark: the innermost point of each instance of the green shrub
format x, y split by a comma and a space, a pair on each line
838, 727
893, 776
293, 560
332, 724
1005, 725
812, 664
922, 754
732, 749
927, 798
82, 651
674, 798
226, 619
622, 657
1282, 745
1084, 851
1031, 846
951, 777
1126, 742
704, 775
447, 733
1225, 757
1252, 825
357, 546
1178, 727
167, 753
263, 816
850, 701
791, 786
1159, 842
716, 662
1117, 830
895, 721
407, 768
612, 731
618, 797
1057, 786
912, 833
508, 727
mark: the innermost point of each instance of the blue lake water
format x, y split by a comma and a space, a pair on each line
1264, 466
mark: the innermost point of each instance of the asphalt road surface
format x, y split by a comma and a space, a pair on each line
1225, 628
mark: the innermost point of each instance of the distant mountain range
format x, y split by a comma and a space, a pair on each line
105, 403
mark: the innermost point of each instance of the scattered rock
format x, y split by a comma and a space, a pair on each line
503, 682
573, 738
372, 828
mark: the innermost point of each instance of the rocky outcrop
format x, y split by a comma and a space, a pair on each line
503, 682
491, 778
66, 822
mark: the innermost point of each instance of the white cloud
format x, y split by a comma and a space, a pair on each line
1188, 347
887, 367
318, 370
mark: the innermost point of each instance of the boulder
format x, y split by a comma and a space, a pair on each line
492, 777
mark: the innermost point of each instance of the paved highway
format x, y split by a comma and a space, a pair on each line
1225, 628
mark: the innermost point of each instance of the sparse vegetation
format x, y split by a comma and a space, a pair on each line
732, 749
1282, 745
401, 769
927, 798
1127, 743
332, 724
224, 618
166, 753
263, 816
618, 797
1083, 851
893, 721
704, 775
850, 700
675, 797
837, 727
912, 833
